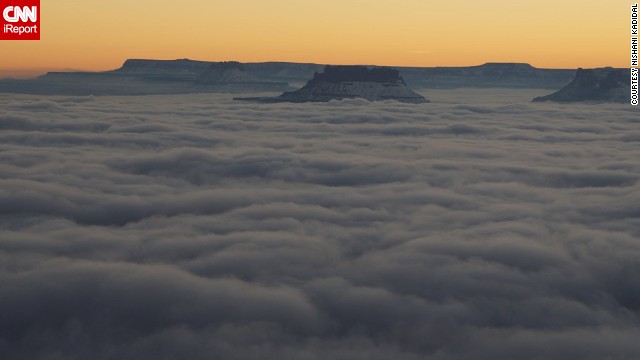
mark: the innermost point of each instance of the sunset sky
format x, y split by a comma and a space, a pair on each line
100, 35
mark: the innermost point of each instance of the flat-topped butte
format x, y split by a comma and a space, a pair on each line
350, 82
595, 85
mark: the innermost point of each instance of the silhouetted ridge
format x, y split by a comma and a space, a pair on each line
148, 76
604, 84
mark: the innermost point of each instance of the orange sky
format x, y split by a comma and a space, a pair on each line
100, 35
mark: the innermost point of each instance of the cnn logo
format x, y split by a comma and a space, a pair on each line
20, 20
14, 14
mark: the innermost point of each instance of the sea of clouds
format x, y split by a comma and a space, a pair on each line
480, 226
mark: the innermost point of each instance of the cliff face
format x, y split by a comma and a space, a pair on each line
601, 85
348, 82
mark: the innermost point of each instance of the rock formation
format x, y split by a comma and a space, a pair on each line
350, 82
598, 85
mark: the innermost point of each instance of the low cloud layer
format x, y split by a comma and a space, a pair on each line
195, 227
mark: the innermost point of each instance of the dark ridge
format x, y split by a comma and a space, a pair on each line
141, 76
